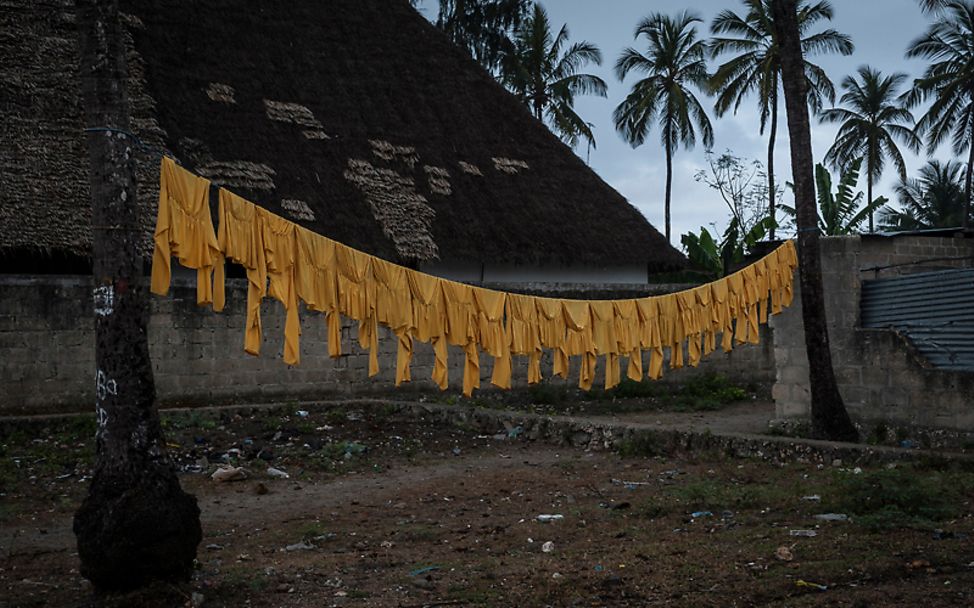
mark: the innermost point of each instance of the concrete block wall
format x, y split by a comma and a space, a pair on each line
880, 376
47, 352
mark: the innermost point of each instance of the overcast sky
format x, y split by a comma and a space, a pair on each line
880, 29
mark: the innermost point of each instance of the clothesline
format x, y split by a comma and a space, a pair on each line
289, 263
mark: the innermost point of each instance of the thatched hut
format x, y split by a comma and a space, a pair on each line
355, 118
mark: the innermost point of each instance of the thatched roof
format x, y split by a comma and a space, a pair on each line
355, 118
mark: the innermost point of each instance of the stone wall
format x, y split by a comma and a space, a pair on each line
880, 376
47, 352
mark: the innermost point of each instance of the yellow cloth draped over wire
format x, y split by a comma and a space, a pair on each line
291, 264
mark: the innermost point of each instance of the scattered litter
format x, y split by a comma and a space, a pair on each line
548, 547
556, 575
697, 514
784, 554
456, 451
907, 443
214, 547
277, 473
630, 485
806, 584
806, 533
196, 599
599, 568
515, 432
947, 535
301, 546
422, 571
812, 498
260, 489
387, 544
615, 506
229, 474
832, 517
549, 518
354, 448
353, 416
302, 413
918, 564
857, 471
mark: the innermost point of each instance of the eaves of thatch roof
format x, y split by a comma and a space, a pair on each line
355, 118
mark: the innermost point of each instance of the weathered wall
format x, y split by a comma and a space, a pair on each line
880, 376
47, 352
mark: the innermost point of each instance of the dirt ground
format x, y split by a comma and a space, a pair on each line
381, 509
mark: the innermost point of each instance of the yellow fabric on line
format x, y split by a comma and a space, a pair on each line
292, 265
184, 230
241, 241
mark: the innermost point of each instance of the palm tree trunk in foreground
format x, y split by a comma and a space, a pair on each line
829, 417
669, 189
136, 524
966, 217
771, 141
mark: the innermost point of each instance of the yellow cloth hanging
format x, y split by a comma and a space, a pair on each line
280, 251
552, 331
394, 309
184, 229
462, 329
317, 282
651, 334
241, 240
578, 339
356, 298
604, 339
490, 318
524, 332
429, 320
627, 336
290, 264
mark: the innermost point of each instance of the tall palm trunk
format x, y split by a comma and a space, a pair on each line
136, 524
829, 417
771, 142
966, 219
669, 188
869, 196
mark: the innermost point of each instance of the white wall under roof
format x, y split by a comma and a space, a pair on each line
472, 272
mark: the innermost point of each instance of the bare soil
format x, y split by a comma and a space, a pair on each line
382, 509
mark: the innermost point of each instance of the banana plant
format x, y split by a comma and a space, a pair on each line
719, 257
839, 212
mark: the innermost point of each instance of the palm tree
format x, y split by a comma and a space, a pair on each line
757, 66
830, 420
544, 75
482, 27
674, 62
871, 123
949, 82
934, 199
136, 524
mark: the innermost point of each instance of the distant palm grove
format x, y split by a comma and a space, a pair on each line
680, 71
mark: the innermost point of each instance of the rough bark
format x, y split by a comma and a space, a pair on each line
966, 217
136, 524
869, 197
771, 142
829, 417
669, 189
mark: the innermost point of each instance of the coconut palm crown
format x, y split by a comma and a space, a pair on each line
871, 122
755, 67
674, 62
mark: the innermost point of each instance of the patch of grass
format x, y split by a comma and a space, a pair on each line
547, 394
336, 415
193, 419
903, 497
640, 446
724, 494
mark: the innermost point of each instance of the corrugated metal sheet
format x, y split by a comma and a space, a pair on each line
934, 310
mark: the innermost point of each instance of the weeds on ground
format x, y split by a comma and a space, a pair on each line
902, 497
